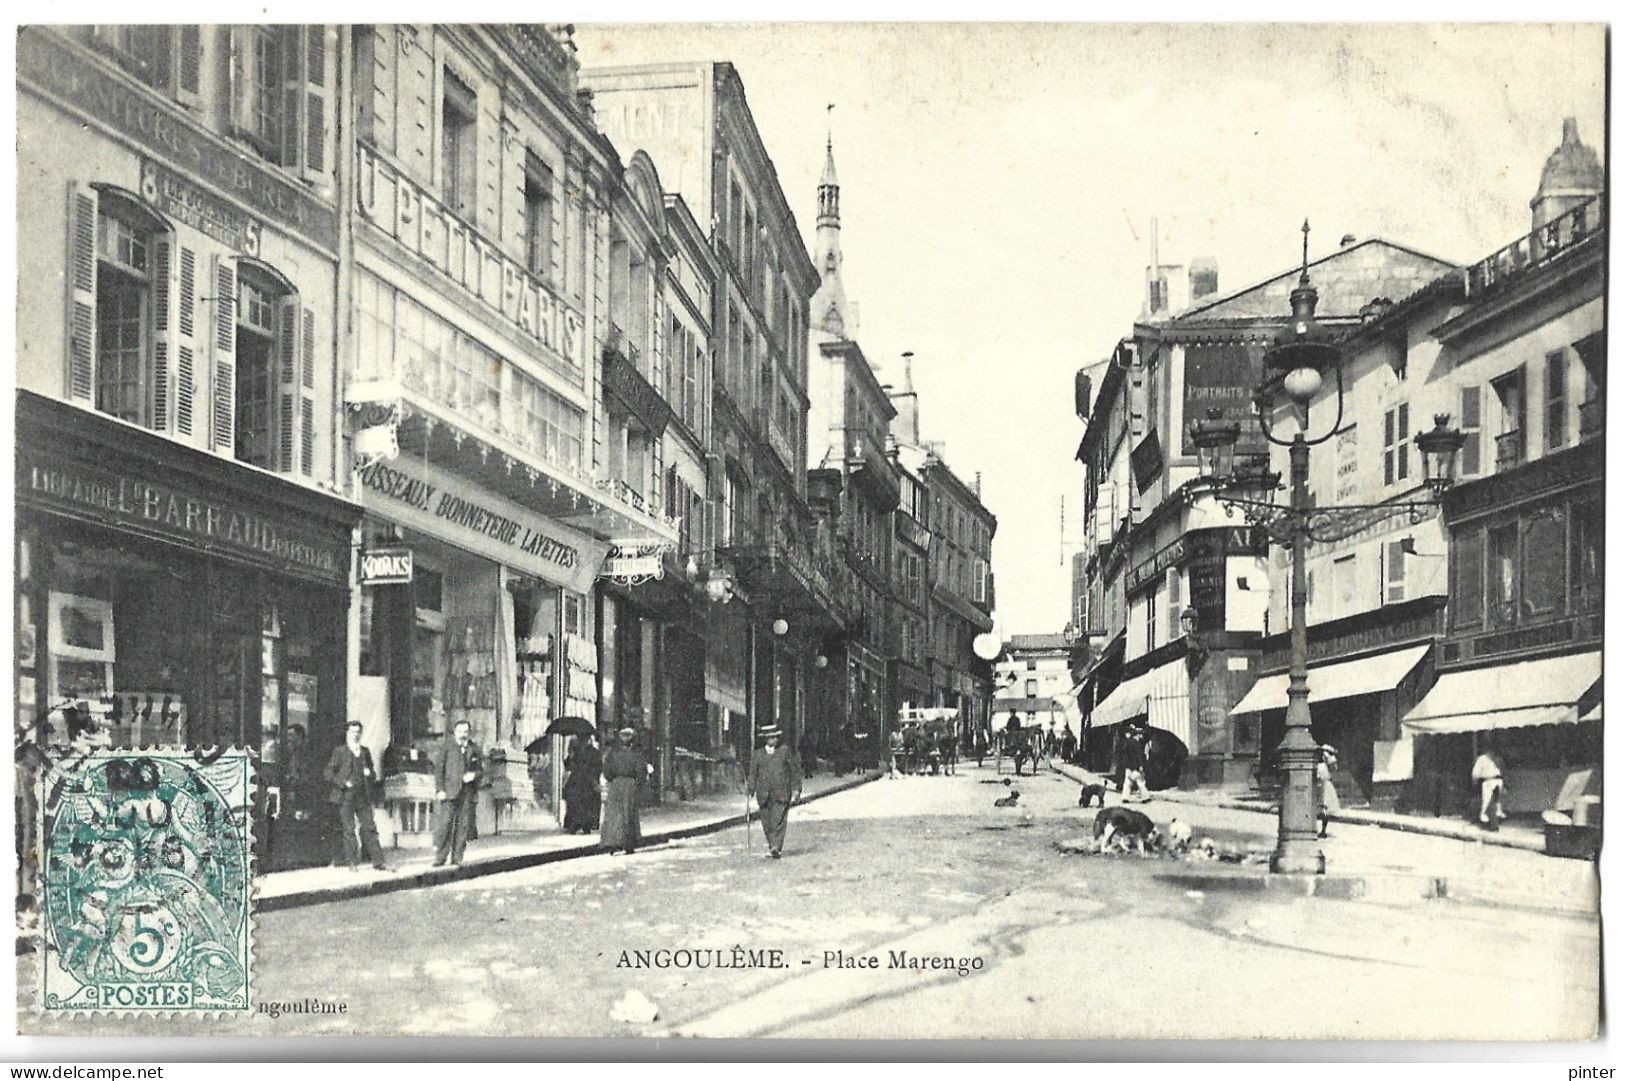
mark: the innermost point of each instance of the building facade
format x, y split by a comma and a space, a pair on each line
1033, 682
183, 532
693, 121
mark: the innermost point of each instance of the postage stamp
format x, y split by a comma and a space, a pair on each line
146, 861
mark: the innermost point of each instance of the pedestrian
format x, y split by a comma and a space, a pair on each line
584, 763
1329, 803
457, 786
1069, 745
775, 781
894, 747
625, 769
1490, 777
981, 745
353, 788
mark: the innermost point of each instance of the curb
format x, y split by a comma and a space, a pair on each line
439, 876
1379, 888
1528, 844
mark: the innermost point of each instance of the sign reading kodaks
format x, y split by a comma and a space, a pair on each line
386, 566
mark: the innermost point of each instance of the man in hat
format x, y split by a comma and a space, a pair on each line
353, 788
625, 769
457, 786
775, 781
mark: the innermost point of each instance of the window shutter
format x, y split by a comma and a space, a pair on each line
80, 377
186, 346
307, 393
1396, 572
1471, 423
287, 383
223, 396
292, 42
1401, 449
242, 89
316, 95
163, 330
188, 63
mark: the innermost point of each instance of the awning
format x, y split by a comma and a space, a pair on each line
1161, 695
1343, 679
1595, 714
1518, 695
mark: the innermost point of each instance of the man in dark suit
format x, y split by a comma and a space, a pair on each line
775, 781
457, 784
353, 787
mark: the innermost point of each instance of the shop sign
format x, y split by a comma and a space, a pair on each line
642, 400
183, 201
631, 564
1168, 556
441, 505
176, 513
1223, 377
50, 65
386, 566
1146, 460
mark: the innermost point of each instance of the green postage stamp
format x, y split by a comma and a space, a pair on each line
146, 861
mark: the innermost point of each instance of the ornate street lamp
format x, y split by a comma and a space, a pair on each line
1297, 365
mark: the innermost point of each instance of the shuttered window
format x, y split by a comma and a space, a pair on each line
1472, 451
281, 95
166, 58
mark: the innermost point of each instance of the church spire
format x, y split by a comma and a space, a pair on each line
829, 312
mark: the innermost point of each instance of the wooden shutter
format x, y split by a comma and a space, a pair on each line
307, 392
1471, 423
316, 95
188, 50
241, 75
187, 347
1395, 572
80, 377
223, 384
291, 40
163, 331
286, 411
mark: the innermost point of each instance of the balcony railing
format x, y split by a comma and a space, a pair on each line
1509, 450
1535, 249
1591, 418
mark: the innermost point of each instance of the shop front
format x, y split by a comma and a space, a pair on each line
1542, 718
170, 597
1156, 697
495, 627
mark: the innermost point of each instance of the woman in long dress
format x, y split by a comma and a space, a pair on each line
625, 769
584, 763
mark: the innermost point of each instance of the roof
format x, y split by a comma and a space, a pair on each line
1037, 641
1346, 281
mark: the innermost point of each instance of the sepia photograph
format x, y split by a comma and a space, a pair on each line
809, 532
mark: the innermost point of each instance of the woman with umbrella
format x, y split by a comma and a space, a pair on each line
583, 763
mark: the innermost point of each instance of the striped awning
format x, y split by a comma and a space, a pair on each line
1518, 695
1343, 679
1161, 696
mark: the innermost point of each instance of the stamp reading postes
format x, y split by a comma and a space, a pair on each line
147, 866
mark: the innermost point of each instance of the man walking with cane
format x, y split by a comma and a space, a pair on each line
775, 781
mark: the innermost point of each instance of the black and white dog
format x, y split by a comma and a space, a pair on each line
1119, 828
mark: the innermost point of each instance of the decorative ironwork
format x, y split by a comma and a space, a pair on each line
1535, 249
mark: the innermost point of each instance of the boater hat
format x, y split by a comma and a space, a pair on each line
628, 731
770, 730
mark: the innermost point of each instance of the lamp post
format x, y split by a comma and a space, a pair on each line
1296, 366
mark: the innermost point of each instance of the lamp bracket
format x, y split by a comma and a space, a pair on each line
1323, 525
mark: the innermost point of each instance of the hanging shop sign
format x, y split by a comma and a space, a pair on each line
449, 508
631, 563
63, 72
623, 380
1223, 377
178, 199
386, 566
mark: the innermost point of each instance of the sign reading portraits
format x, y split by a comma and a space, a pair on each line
1223, 377
449, 508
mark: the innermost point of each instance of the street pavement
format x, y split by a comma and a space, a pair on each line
1038, 941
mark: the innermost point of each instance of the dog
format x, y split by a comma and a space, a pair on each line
1092, 793
1007, 800
1117, 829
1179, 836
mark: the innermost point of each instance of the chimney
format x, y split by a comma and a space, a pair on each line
1347, 241
906, 424
1204, 277
977, 486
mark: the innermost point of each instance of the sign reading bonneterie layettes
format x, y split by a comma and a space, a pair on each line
442, 506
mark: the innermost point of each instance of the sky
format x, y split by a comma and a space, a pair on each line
998, 184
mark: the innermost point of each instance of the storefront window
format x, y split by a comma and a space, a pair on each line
1543, 577
1585, 557
1503, 572
1467, 561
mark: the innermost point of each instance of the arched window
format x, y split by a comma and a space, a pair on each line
273, 403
